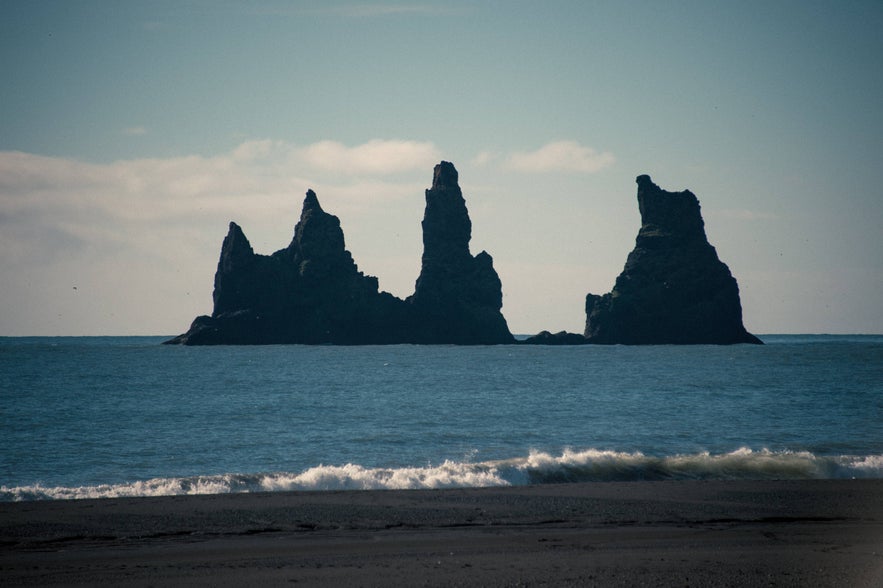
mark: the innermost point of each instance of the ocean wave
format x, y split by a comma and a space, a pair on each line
589, 465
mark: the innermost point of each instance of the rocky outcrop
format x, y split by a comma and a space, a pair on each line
312, 292
457, 297
559, 338
673, 289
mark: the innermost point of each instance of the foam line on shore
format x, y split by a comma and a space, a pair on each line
589, 465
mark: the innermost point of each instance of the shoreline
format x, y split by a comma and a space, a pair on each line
742, 533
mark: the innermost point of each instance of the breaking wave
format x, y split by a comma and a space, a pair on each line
590, 465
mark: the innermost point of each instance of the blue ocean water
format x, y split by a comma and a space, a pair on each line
122, 416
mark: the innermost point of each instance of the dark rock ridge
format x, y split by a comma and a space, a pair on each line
559, 338
673, 289
312, 292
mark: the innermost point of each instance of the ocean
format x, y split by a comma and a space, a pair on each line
97, 417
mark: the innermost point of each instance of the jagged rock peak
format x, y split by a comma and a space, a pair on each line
445, 175
234, 231
447, 228
311, 202
235, 246
237, 256
318, 234
665, 213
311, 208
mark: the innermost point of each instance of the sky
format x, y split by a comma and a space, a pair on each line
132, 133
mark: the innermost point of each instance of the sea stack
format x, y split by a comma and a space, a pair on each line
312, 292
457, 297
673, 289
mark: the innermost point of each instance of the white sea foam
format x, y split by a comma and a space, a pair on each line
538, 467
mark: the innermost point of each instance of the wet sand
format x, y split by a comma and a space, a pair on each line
721, 533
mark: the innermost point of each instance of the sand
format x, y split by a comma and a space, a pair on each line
715, 533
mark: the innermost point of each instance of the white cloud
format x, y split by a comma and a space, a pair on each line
484, 158
560, 156
257, 149
375, 157
65, 221
135, 131
259, 175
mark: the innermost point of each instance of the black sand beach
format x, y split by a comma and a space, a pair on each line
720, 533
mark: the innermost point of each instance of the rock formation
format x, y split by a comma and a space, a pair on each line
309, 292
312, 291
673, 289
457, 297
559, 338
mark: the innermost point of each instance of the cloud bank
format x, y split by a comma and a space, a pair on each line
561, 156
83, 202
375, 157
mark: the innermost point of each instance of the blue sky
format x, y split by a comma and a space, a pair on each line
131, 133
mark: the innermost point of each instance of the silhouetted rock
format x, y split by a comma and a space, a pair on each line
559, 338
312, 292
457, 297
673, 289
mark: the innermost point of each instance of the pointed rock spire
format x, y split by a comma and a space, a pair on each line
444, 176
311, 202
237, 258
447, 229
457, 296
317, 235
